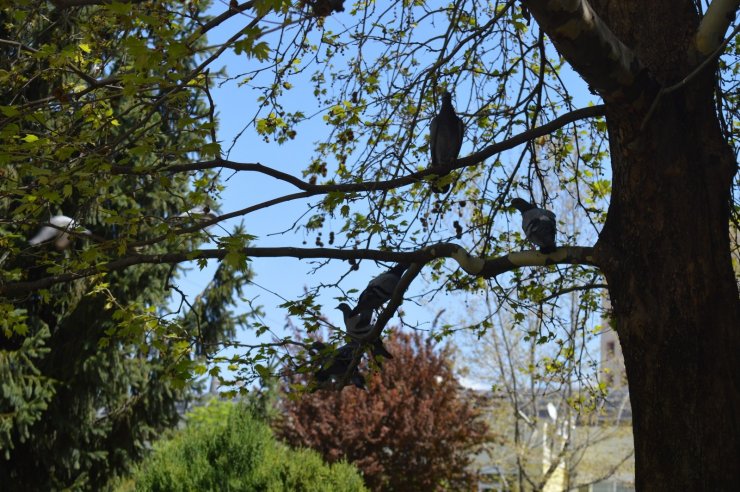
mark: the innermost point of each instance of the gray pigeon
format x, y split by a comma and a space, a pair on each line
538, 225
61, 238
445, 138
379, 290
359, 326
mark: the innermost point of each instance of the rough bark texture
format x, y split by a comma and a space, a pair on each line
666, 255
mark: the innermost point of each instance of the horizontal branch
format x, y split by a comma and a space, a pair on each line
584, 40
569, 255
314, 189
484, 267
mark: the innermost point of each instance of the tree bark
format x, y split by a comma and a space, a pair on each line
665, 251
665, 247
666, 256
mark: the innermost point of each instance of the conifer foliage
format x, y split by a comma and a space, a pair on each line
226, 447
93, 370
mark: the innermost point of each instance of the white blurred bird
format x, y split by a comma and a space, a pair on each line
199, 213
62, 239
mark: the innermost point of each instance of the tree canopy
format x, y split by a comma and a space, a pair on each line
104, 102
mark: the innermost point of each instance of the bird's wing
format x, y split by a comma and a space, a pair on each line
460, 135
433, 129
541, 231
384, 284
46, 233
63, 221
361, 324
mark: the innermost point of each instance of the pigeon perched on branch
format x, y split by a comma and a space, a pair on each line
336, 365
379, 290
62, 239
538, 225
359, 326
445, 138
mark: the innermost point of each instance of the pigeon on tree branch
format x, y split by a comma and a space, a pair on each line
337, 364
538, 225
359, 326
445, 138
379, 290
62, 238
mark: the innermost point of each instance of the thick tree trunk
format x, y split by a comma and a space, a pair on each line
666, 255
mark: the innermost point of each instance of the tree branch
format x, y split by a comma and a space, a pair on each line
395, 301
694, 73
313, 189
582, 38
226, 15
717, 19
488, 267
65, 4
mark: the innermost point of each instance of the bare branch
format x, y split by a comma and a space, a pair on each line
712, 29
585, 41
574, 288
489, 267
226, 15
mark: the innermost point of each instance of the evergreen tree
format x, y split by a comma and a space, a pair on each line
224, 447
94, 370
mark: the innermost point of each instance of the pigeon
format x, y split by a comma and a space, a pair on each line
323, 8
62, 239
337, 364
359, 326
379, 290
445, 137
538, 225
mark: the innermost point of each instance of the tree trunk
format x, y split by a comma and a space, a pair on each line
665, 251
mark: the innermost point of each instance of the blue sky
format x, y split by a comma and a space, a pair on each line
278, 279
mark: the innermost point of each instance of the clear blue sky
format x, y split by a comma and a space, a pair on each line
278, 279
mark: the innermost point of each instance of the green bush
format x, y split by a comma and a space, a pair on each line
223, 447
